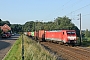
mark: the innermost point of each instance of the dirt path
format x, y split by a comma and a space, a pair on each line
5, 45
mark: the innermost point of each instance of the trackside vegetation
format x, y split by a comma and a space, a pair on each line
86, 42
34, 51
15, 53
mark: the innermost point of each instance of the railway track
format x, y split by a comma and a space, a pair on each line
78, 53
69, 53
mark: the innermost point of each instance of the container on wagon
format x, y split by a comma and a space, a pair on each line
36, 34
25, 33
41, 33
28, 33
32, 34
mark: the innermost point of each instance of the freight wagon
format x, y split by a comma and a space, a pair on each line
41, 35
36, 34
28, 34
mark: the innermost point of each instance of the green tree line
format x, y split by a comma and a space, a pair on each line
60, 23
14, 27
4, 22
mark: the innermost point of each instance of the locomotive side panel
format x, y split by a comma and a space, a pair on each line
53, 35
65, 36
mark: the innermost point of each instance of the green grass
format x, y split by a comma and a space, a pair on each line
34, 51
15, 52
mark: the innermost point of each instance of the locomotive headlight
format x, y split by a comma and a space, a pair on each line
75, 41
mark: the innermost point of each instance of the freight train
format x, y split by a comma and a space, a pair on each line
59, 36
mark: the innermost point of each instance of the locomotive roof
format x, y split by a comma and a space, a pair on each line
60, 30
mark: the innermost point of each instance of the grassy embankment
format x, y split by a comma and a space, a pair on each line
15, 53
34, 51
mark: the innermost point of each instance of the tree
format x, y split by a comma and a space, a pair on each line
4, 22
29, 26
16, 28
0, 20
76, 29
87, 33
63, 22
0, 31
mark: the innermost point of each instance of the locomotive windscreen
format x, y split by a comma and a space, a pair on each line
70, 33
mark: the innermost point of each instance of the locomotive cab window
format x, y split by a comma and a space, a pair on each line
70, 33
63, 33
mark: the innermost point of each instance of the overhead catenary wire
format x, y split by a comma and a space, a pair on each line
63, 7
59, 8
73, 4
86, 15
78, 9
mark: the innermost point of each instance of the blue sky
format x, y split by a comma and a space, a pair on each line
21, 11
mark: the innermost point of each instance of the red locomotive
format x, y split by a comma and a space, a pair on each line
65, 36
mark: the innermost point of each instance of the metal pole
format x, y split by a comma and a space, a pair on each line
80, 31
35, 29
34, 25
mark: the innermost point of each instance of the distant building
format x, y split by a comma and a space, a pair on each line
0, 26
5, 28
